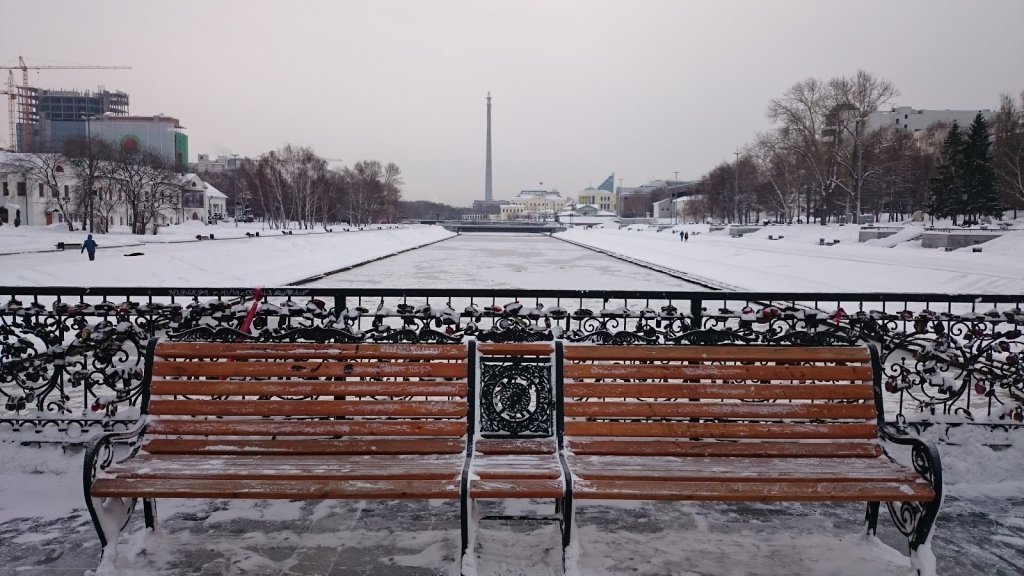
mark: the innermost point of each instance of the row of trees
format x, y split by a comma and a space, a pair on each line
99, 184
294, 185
821, 161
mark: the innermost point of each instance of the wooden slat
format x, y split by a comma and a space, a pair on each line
264, 467
742, 410
380, 446
720, 391
580, 446
320, 408
719, 353
657, 468
525, 488
198, 427
696, 372
720, 430
276, 489
536, 466
515, 446
754, 491
309, 350
306, 388
326, 369
526, 349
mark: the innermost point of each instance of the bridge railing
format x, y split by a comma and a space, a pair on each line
72, 358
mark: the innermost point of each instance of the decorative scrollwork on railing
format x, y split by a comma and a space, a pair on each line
81, 359
60, 364
515, 397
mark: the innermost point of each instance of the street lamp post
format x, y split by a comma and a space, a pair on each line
90, 191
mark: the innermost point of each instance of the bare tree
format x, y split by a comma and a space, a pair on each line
855, 99
780, 167
802, 116
91, 158
56, 174
1008, 149
145, 185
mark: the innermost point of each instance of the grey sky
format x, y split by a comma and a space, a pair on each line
581, 88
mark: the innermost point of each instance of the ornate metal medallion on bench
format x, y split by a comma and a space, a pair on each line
515, 453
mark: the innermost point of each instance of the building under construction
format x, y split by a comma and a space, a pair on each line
46, 119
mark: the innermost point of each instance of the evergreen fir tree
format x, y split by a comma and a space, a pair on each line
946, 187
980, 193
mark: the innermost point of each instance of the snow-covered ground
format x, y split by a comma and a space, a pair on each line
176, 258
798, 263
44, 528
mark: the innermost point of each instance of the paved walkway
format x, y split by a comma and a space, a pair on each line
409, 538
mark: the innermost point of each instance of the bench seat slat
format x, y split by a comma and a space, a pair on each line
754, 491
309, 350
307, 388
516, 488
241, 427
724, 391
791, 431
326, 369
618, 447
298, 408
697, 372
517, 466
382, 446
640, 468
290, 467
276, 489
750, 410
719, 353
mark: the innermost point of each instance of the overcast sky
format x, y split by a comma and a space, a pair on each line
581, 88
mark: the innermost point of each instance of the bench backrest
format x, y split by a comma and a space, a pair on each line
720, 400
218, 398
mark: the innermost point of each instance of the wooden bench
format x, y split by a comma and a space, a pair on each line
69, 245
286, 421
739, 423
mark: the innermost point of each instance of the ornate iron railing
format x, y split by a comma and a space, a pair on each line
71, 358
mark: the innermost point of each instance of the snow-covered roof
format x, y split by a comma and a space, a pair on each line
212, 192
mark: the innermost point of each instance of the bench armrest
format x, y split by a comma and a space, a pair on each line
99, 454
915, 521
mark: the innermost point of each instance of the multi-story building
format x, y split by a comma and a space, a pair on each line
219, 164
602, 199
46, 119
159, 135
907, 119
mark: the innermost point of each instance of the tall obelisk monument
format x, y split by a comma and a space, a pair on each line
488, 189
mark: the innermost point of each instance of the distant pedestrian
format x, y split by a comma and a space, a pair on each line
89, 246
686, 236
682, 236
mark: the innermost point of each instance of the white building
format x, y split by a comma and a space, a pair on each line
535, 205
907, 119
602, 199
28, 202
219, 164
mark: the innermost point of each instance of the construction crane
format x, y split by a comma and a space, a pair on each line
13, 91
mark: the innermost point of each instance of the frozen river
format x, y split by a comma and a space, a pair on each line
515, 261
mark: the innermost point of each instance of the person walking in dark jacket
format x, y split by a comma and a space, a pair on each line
90, 246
